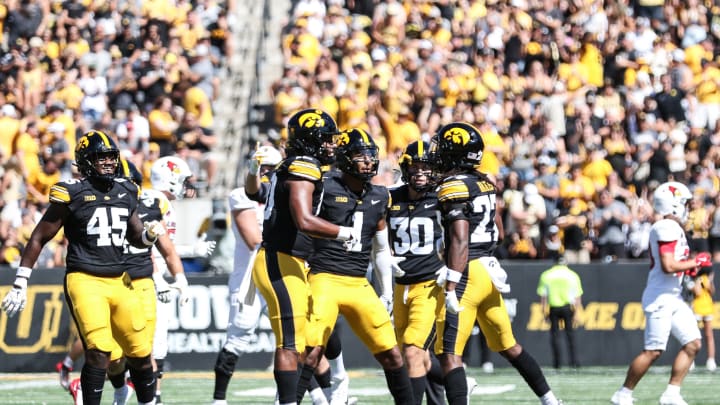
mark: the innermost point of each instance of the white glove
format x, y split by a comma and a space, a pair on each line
181, 286
441, 276
256, 160
204, 248
162, 288
348, 237
153, 230
451, 302
388, 302
497, 274
397, 270
16, 298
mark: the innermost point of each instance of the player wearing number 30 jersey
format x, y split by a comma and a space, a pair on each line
474, 277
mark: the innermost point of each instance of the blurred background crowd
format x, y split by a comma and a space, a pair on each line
584, 105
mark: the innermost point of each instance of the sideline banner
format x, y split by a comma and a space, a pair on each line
610, 330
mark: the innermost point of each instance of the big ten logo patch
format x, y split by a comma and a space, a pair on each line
41, 327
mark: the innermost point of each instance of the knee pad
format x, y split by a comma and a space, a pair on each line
225, 363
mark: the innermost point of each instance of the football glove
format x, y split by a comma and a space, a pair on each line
153, 230
388, 302
204, 248
181, 286
441, 276
397, 270
16, 298
451, 302
162, 288
703, 259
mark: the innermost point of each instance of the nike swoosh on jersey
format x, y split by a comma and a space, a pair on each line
373, 202
142, 215
121, 195
429, 205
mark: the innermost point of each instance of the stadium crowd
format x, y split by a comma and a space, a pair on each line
584, 106
145, 72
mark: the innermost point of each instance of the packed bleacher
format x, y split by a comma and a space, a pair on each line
584, 106
146, 73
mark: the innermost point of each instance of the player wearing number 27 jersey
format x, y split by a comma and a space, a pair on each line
475, 279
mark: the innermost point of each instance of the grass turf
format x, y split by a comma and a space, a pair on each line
587, 386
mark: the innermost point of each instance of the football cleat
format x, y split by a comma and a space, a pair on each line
619, 398
339, 389
488, 367
710, 365
76, 391
471, 385
672, 399
64, 373
122, 395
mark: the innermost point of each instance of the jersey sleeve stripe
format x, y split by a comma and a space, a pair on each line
453, 190
305, 169
59, 194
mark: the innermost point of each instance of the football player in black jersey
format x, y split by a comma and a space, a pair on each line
337, 269
474, 279
415, 232
280, 271
98, 212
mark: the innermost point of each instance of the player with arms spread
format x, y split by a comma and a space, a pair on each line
280, 271
338, 269
416, 235
475, 279
98, 212
665, 310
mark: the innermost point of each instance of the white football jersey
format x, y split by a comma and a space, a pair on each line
239, 201
660, 283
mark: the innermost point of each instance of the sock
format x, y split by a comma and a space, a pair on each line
117, 380
68, 362
286, 382
399, 385
626, 391
224, 368
456, 387
418, 388
120, 394
318, 396
92, 380
323, 379
530, 371
672, 390
304, 382
333, 348
548, 399
145, 383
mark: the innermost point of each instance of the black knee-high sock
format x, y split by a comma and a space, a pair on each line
286, 382
334, 345
92, 380
304, 382
117, 380
398, 382
323, 379
144, 381
224, 369
418, 387
435, 374
530, 371
456, 387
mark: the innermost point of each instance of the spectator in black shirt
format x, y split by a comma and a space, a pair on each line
669, 100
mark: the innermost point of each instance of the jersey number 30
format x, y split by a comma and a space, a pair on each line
109, 225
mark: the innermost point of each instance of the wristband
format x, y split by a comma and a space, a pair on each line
147, 241
180, 278
453, 276
345, 233
23, 272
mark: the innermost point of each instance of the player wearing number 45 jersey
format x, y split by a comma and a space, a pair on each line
474, 277
98, 213
338, 269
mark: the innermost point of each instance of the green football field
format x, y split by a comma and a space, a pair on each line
591, 385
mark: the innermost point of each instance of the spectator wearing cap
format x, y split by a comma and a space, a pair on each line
55, 147
133, 130
530, 211
560, 291
551, 247
94, 87
127, 42
548, 185
200, 142
56, 114
202, 71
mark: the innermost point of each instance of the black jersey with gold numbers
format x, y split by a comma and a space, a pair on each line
343, 207
471, 197
279, 230
415, 234
96, 225
138, 261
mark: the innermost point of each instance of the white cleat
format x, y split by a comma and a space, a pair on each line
339, 390
488, 367
621, 399
711, 365
471, 385
676, 399
122, 395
